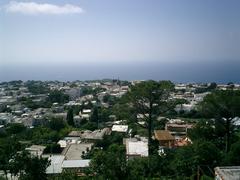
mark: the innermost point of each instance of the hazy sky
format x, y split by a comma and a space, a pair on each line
180, 40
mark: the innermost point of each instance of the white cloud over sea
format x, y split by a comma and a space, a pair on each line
33, 8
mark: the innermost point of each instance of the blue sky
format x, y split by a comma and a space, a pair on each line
180, 40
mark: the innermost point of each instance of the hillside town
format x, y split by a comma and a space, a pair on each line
69, 123
119, 90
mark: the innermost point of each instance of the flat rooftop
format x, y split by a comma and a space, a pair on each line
76, 163
228, 172
55, 165
97, 134
136, 147
120, 128
75, 151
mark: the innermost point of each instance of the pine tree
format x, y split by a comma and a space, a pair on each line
70, 117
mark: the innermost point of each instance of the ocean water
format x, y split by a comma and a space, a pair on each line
221, 72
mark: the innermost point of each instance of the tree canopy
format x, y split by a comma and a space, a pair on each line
222, 106
150, 98
29, 167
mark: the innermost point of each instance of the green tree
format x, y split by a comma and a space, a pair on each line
95, 116
138, 168
58, 96
110, 164
86, 90
111, 100
115, 138
212, 86
53, 148
37, 87
160, 124
203, 130
56, 124
187, 159
66, 176
150, 98
89, 126
70, 117
15, 128
8, 148
223, 106
43, 135
233, 157
29, 167
231, 85
208, 130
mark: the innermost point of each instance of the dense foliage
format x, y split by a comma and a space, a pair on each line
195, 160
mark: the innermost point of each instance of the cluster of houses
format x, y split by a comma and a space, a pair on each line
74, 146
194, 93
13, 111
77, 144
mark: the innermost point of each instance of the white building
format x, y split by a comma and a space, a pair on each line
228, 172
55, 166
136, 147
74, 164
85, 114
120, 128
58, 164
35, 150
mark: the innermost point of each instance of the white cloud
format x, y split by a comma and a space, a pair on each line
33, 8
